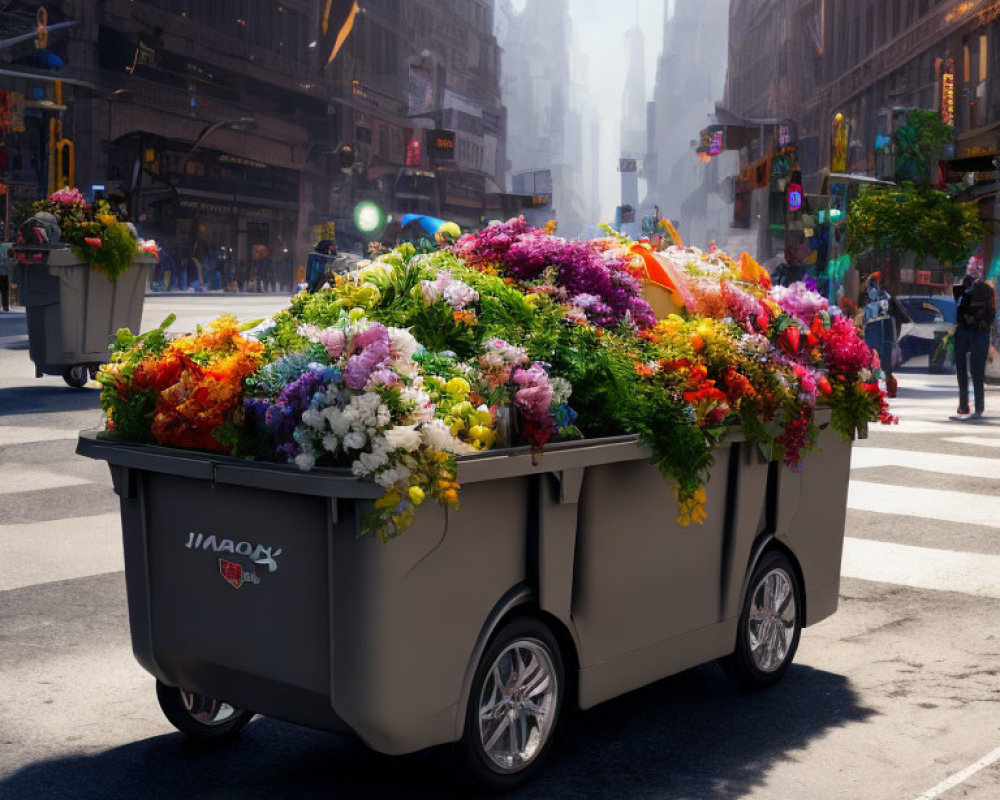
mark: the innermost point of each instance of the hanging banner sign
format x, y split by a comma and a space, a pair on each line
948, 91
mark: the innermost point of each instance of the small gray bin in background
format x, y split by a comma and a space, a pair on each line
73, 312
348, 632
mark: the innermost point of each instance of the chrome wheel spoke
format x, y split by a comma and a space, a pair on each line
771, 620
516, 714
502, 726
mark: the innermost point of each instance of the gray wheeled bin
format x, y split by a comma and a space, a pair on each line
73, 312
562, 578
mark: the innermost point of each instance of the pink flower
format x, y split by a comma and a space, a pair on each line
333, 340
67, 196
371, 349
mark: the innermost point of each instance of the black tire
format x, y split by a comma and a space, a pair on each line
765, 647
76, 376
519, 638
198, 716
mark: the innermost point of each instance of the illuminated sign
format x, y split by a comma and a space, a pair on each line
443, 143
794, 196
948, 93
988, 14
715, 141
959, 11
413, 153
784, 135
923, 276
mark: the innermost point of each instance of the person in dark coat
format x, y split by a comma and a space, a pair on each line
977, 308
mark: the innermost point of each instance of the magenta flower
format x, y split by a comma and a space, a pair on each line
371, 350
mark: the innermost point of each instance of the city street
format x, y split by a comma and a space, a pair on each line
896, 697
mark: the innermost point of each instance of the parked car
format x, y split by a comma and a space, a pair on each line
933, 318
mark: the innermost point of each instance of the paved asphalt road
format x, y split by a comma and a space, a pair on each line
893, 698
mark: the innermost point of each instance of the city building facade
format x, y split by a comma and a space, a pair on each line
835, 81
236, 128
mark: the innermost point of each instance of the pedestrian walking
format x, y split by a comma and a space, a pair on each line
977, 308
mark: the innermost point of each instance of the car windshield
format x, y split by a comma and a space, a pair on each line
930, 309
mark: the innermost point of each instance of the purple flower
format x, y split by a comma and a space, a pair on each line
371, 349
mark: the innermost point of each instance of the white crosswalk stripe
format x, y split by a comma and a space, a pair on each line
24, 434
58, 550
21, 478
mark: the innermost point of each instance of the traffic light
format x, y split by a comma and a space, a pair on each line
368, 217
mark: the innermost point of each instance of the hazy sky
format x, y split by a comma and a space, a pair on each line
599, 30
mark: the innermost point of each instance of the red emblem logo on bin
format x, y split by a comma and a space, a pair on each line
232, 572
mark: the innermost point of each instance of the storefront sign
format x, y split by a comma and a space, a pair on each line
757, 175
923, 276
413, 153
784, 135
988, 14
948, 92
794, 196
442, 144
715, 140
959, 11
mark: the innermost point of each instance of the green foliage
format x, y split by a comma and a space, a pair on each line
909, 218
921, 144
129, 407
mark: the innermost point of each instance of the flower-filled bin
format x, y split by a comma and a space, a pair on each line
84, 274
73, 311
251, 582
456, 490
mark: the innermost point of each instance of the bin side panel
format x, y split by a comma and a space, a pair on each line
641, 577
215, 613
814, 529
408, 613
41, 301
92, 309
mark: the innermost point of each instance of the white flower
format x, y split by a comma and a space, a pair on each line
458, 295
310, 332
338, 421
305, 461
312, 418
398, 475
331, 443
355, 441
403, 436
561, 390
436, 435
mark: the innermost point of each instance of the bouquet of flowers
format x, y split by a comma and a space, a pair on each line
510, 336
94, 234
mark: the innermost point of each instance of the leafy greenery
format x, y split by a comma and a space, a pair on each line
915, 219
921, 144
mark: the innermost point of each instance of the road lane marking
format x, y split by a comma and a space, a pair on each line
909, 501
980, 441
58, 550
977, 466
16, 478
921, 567
911, 425
25, 434
960, 777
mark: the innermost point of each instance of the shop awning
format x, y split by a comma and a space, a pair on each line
972, 164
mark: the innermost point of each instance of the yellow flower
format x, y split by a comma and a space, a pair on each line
107, 220
416, 495
457, 387
483, 435
482, 416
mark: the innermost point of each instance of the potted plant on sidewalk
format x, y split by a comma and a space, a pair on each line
85, 275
